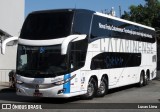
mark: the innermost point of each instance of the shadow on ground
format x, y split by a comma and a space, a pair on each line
8, 90
9, 94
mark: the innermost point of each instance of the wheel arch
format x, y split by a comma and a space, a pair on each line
95, 77
106, 77
142, 71
100, 78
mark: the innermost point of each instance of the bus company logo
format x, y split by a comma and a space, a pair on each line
42, 49
6, 106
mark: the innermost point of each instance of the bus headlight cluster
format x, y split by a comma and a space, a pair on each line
59, 82
63, 81
19, 82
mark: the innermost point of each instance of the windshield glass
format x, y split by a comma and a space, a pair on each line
41, 62
47, 25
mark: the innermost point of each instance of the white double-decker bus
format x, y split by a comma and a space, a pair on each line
71, 52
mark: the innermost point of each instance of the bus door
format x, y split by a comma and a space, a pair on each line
77, 59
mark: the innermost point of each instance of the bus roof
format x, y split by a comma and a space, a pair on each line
96, 13
64, 10
123, 20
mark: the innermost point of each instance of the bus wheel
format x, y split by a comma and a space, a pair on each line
91, 89
103, 88
142, 80
146, 78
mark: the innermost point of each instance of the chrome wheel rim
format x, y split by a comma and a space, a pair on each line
90, 90
102, 87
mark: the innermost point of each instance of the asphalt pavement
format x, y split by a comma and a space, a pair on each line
123, 96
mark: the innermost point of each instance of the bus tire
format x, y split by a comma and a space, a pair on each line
146, 78
142, 80
103, 89
91, 89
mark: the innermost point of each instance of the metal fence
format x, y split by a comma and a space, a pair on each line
4, 75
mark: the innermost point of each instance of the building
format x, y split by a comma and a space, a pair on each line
11, 20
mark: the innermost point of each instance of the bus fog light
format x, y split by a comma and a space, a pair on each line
59, 82
61, 91
63, 81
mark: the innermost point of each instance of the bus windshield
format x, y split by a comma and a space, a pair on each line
41, 62
51, 25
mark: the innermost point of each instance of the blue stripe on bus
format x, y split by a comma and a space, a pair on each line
66, 86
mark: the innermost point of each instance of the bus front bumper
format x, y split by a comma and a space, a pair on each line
57, 92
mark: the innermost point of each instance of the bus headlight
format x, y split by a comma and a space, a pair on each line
19, 82
63, 81
59, 83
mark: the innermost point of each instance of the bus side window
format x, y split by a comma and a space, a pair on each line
98, 29
115, 60
78, 53
81, 23
77, 59
98, 62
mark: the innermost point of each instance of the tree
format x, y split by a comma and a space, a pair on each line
149, 15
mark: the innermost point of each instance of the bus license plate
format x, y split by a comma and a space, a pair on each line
38, 94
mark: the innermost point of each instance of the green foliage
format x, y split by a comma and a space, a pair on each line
149, 14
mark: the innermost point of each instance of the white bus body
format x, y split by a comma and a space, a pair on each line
82, 52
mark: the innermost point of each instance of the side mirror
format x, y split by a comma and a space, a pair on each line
69, 39
4, 43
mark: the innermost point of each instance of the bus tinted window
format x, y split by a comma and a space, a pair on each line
78, 54
107, 27
115, 60
81, 23
51, 25
98, 32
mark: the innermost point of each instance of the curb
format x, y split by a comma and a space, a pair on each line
4, 85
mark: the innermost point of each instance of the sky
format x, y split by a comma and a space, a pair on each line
95, 5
